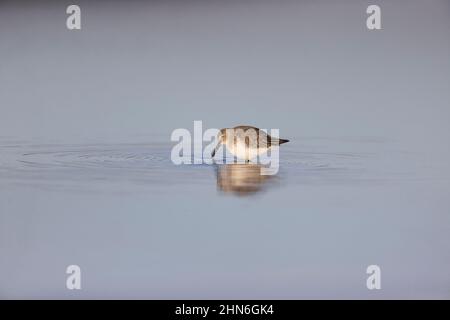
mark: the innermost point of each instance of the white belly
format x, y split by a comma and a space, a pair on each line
239, 150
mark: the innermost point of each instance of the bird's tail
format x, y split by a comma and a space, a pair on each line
281, 141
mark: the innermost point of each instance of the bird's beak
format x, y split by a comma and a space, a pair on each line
213, 153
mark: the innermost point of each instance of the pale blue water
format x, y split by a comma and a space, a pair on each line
141, 227
85, 175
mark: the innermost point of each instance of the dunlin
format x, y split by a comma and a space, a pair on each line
246, 142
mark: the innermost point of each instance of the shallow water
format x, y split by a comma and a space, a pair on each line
320, 161
141, 227
85, 123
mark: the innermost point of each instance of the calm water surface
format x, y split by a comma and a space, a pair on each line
141, 227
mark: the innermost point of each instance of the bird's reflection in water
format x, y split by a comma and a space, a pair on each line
242, 179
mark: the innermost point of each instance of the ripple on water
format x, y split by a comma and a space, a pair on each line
150, 164
89, 165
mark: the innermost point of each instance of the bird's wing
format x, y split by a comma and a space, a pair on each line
246, 127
